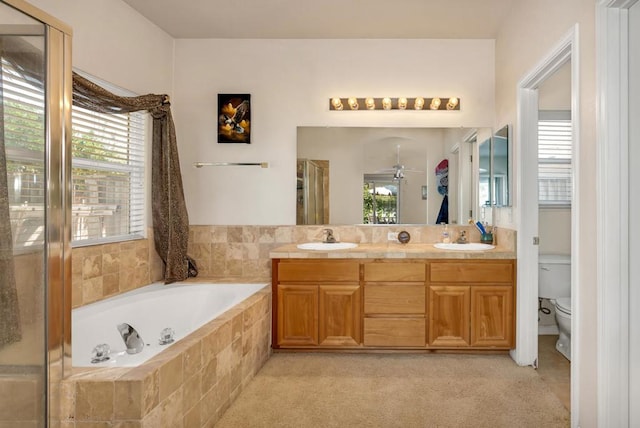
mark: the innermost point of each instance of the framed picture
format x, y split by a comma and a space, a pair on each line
234, 118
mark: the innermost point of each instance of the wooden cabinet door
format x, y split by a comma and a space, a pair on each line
297, 315
340, 315
492, 316
449, 315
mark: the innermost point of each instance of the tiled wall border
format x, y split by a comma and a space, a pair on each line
101, 271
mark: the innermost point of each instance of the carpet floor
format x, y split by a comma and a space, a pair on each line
395, 390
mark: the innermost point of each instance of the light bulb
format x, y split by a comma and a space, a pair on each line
353, 103
402, 103
435, 104
453, 102
370, 103
418, 103
336, 103
386, 103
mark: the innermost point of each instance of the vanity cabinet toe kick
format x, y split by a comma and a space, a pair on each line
380, 304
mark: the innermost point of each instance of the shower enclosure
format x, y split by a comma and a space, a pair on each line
312, 199
35, 255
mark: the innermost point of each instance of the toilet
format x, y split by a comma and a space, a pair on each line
554, 283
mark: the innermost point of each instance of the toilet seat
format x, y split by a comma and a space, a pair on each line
563, 304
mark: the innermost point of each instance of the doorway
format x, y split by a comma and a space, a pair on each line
526, 353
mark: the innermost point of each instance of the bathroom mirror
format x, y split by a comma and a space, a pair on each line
484, 173
384, 175
500, 168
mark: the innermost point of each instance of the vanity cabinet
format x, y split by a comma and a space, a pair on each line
394, 304
471, 304
318, 304
417, 304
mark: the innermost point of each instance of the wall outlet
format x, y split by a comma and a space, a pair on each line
392, 236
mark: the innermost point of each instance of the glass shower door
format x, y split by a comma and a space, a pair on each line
23, 348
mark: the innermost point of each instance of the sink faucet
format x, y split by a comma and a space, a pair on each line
462, 239
131, 338
330, 239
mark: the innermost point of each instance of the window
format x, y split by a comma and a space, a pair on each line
108, 154
108, 167
554, 158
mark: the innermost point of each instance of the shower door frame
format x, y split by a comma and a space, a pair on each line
58, 99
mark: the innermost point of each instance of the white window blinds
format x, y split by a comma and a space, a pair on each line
554, 158
24, 139
108, 153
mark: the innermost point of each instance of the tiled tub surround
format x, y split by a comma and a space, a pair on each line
190, 384
101, 271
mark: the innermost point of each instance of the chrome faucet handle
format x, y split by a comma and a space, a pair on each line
330, 238
100, 353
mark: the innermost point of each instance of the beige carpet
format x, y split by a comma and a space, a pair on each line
395, 390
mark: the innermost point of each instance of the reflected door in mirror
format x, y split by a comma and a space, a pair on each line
312, 188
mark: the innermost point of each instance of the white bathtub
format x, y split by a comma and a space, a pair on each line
183, 307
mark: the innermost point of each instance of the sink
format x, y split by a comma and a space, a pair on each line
471, 246
324, 246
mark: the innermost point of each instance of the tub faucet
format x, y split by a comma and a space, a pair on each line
330, 239
131, 338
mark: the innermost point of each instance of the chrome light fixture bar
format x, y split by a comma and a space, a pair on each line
260, 164
400, 103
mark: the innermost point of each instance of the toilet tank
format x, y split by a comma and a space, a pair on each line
554, 276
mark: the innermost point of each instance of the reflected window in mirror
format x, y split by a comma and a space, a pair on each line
381, 199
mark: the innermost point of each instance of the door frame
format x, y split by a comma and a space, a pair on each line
526, 352
612, 195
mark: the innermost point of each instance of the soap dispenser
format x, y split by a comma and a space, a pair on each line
446, 239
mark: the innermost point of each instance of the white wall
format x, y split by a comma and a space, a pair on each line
529, 33
115, 43
634, 213
290, 82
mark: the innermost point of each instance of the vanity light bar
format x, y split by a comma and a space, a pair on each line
401, 103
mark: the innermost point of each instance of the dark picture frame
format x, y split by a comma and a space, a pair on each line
234, 118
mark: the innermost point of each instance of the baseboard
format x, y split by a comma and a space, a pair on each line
544, 330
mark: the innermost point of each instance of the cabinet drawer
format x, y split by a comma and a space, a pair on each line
472, 272
319, 271
394, 332
394, 272
394, 298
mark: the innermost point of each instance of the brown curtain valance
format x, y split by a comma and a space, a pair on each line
169, 211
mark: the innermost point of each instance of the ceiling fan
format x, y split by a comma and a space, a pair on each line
398, 169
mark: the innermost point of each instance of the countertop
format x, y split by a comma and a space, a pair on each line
390, 251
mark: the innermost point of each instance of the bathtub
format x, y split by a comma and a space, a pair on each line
182, 307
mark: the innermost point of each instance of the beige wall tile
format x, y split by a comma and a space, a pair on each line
171, 376
128, 403
192, 360
192, 417
209, 375
94, 401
